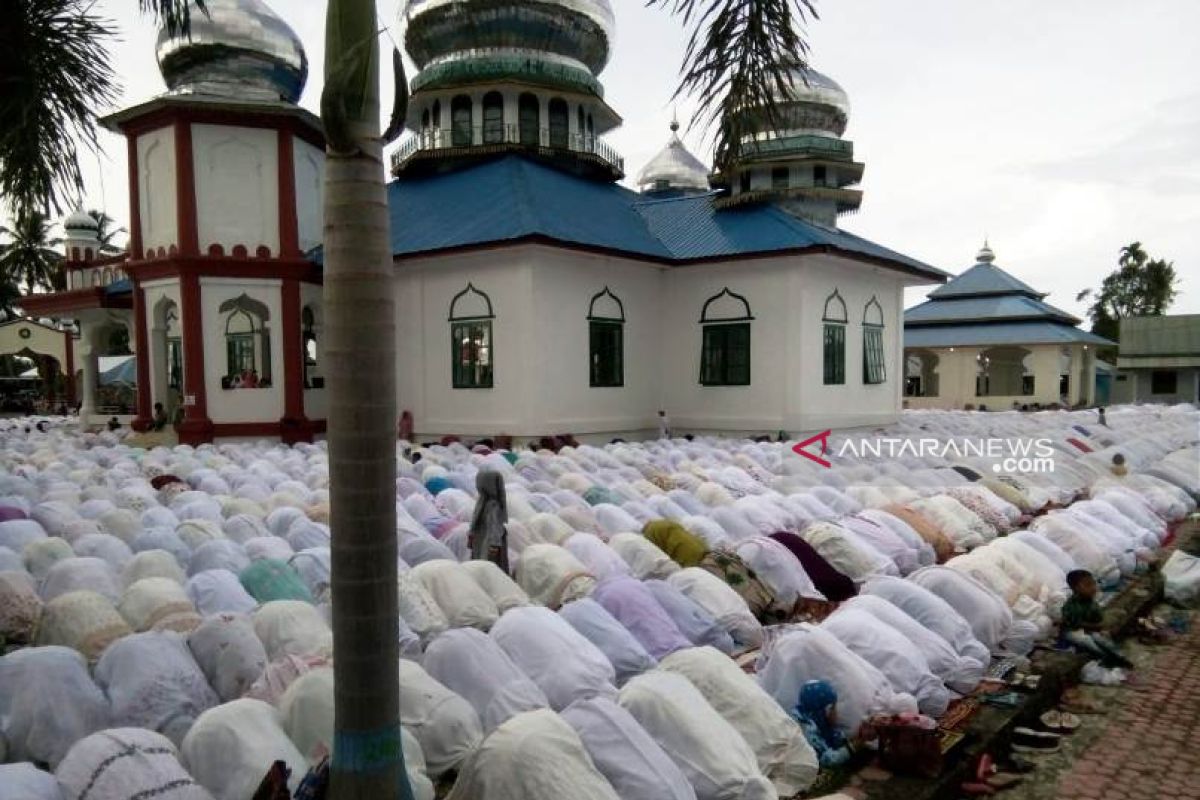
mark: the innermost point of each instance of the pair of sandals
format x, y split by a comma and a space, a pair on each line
1060, 722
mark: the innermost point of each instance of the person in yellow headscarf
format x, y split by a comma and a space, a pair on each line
684, 548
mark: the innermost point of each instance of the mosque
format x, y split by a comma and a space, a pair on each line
571, 303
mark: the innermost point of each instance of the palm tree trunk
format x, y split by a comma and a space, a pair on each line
361, 343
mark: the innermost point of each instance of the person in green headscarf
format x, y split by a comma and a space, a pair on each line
685, 548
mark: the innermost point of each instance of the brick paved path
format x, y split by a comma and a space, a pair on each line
1148, 746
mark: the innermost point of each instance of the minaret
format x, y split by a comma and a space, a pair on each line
503, 76
673, 171
81, 238
799, 160
225, 194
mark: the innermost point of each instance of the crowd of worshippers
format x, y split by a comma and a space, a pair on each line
685, 619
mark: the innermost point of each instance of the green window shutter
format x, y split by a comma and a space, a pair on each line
471, 354
725, 355
873, 362
606, 353
835, 354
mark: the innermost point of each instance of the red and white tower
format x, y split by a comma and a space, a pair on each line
225, 200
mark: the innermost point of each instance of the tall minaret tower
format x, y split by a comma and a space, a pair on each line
799, 160
225, 200
508, 76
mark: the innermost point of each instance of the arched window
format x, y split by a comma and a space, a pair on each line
579, 125
606, 339
471, 351
436, 121
591, 133
493, 118
834, 320
311, 352
461, 121
247, 343
529, 119
874, 370
174, 339
559, 126
425, 121
725, 347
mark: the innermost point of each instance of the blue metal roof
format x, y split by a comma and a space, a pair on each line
971, 309
999, 333
514, 198
984, 279
123, 286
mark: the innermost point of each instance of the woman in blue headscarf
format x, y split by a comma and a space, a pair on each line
817, 714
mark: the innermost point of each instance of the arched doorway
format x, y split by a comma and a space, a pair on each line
1005, 371
921, 373
166, 352
36, 362
116, 369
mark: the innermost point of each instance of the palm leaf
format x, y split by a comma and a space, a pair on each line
174, 15
54, 75
740, 54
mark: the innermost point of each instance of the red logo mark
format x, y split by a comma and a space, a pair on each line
823, 437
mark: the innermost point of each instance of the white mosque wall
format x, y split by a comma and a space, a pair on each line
425, 289
156, 189
237, 187
815, 406
564, 283
240, 405
786, 296
309, 166
540, 297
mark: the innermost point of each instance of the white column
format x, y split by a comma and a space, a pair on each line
91, 378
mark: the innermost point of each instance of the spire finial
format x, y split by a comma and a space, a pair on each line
985, 255
674, 121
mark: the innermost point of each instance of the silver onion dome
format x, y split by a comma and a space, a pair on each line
674, 169
580, 31
239, 49
811, 103
80, 220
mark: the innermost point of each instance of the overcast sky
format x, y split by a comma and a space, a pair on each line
1060, 129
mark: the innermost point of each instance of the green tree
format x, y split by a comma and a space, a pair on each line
30, 260
1140, 286
106, 231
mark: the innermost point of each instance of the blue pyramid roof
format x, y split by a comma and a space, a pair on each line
985, 279
986, 306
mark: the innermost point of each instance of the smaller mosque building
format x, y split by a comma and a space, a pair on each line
987, 339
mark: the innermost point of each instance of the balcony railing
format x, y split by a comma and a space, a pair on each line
491, 134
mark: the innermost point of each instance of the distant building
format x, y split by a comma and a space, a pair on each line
1159, 360
987, 338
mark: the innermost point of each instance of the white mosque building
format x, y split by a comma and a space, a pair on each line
535, 295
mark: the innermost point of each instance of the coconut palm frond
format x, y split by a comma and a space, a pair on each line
174, 15
106, 230
55, 74
31, 258
739, 55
